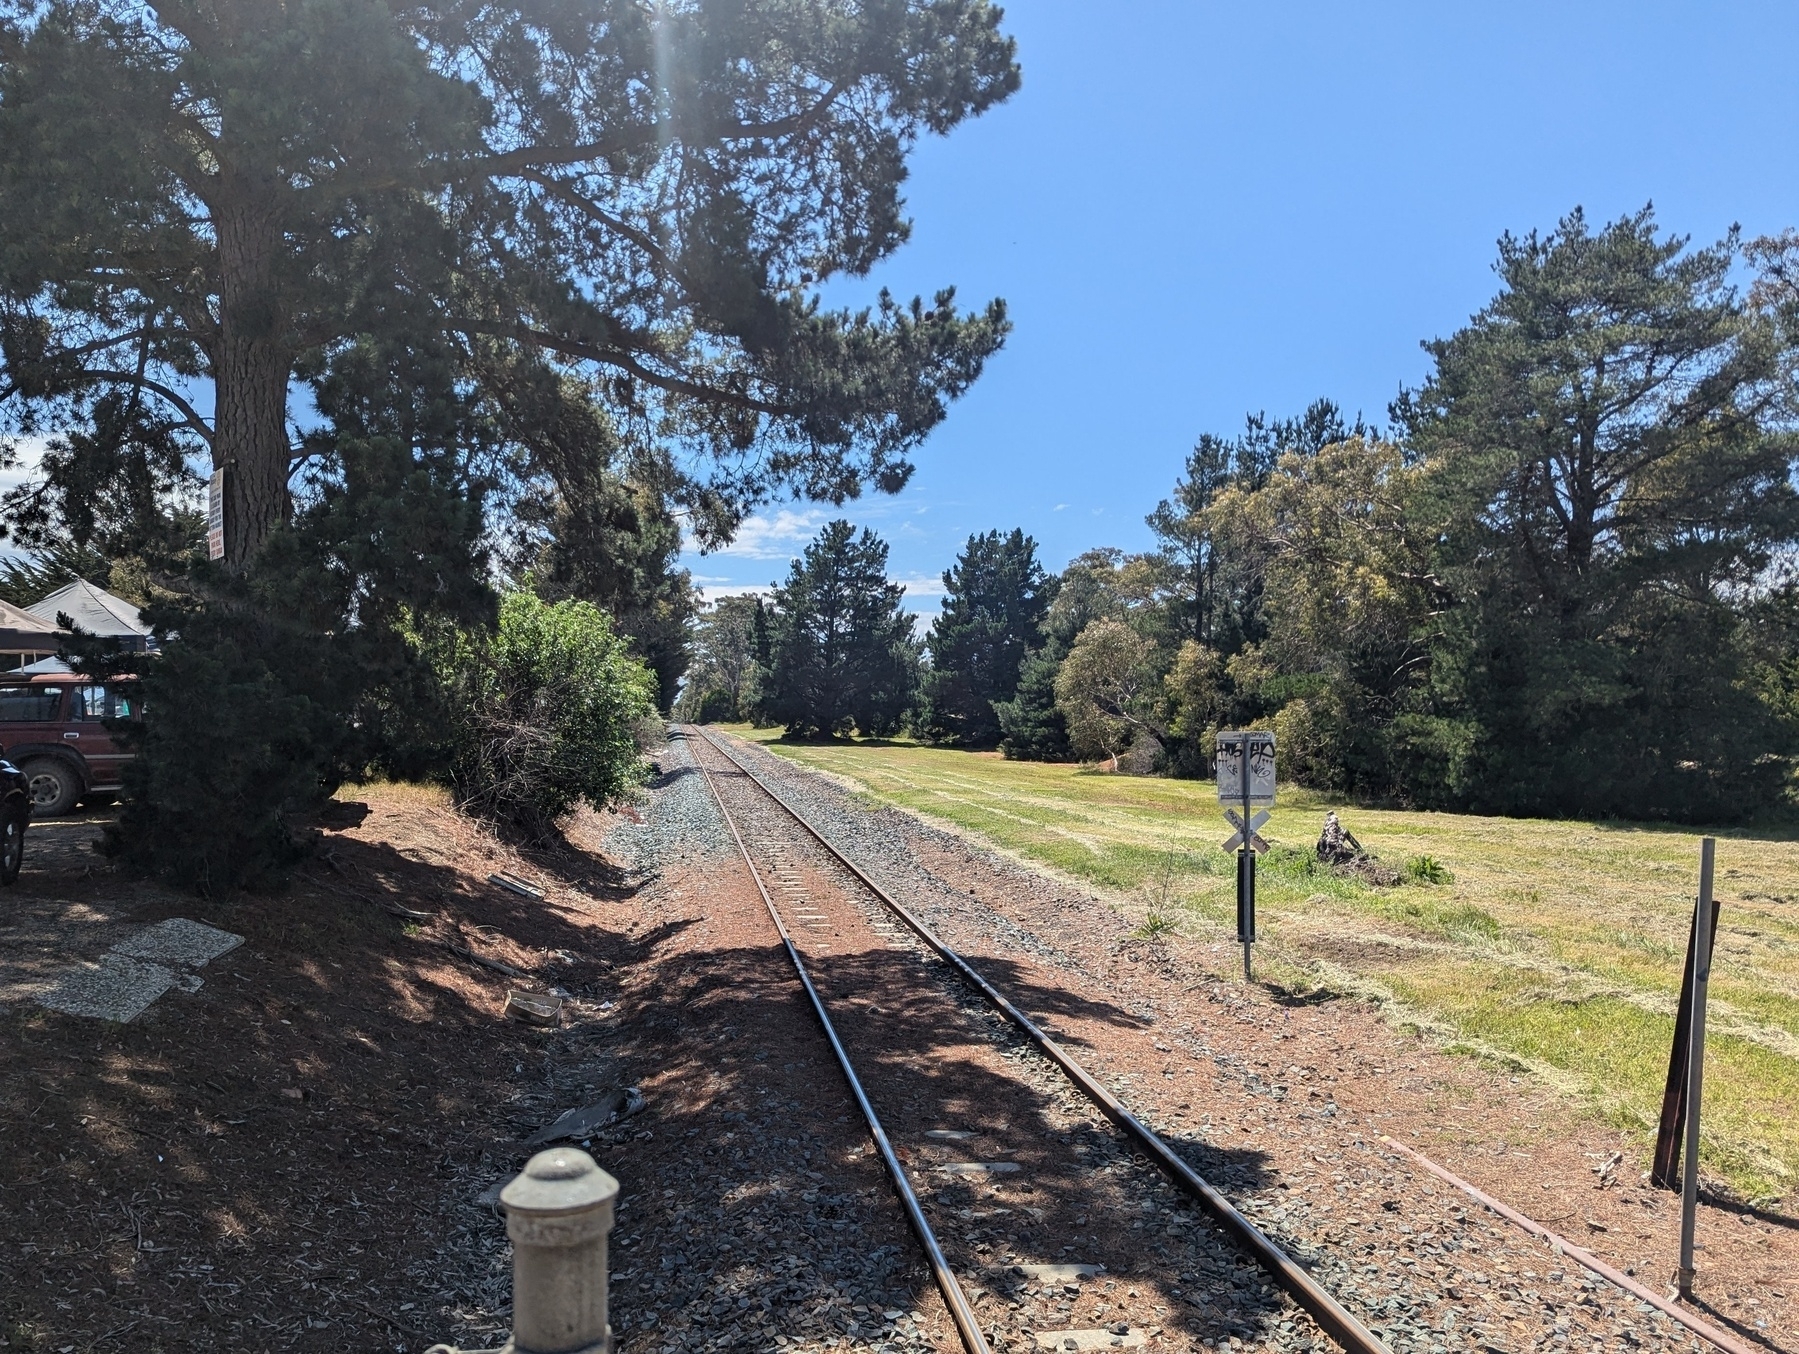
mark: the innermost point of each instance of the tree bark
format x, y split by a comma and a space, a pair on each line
250, 374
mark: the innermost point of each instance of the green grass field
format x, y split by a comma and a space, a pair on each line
1557, 948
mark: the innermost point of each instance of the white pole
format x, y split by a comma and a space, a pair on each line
1702, 972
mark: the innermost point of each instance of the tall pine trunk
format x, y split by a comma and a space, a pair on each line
250, 371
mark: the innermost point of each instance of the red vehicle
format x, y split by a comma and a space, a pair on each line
50, 728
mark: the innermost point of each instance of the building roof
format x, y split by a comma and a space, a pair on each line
17, 618
93, 610
20, 630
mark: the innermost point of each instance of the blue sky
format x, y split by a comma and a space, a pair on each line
1197, 210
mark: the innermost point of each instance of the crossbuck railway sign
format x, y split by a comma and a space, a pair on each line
1245, 784
1246, 789
1256, 841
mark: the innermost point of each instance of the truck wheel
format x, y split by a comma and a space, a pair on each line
54, 785
12, 843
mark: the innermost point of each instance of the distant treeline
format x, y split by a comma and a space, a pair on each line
1561, 581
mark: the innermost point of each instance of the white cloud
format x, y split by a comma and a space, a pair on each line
922, 585
1058, 507
713, 592
776, 536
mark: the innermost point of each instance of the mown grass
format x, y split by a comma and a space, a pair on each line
1557, 948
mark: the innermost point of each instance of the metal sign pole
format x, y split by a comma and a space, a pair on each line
1246, 873
1702, 972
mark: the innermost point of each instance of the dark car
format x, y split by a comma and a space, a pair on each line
15, 816
51, 729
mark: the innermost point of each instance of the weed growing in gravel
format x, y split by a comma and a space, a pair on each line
1161, 899
1156, 925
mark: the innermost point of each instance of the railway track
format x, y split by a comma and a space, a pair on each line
999, 1144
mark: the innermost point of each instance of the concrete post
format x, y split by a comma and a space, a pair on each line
558, 1214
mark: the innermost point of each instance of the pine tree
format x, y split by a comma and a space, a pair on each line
1610, 475
563, 259
250, 195
1034, 727
841, 654
996, 598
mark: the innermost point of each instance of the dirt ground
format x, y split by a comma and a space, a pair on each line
292, 1156
263, 1163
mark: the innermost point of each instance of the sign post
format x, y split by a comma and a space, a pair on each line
1245, 785
1702, 972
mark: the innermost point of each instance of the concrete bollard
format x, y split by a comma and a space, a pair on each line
558, 1214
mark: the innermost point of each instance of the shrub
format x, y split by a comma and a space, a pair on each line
1427, 870
1309, 733
1157, 925
542, 714
243, 733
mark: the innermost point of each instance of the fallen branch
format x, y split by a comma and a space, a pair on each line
387, 1317
463, 952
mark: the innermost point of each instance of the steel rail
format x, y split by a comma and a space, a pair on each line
1336, 1320
960, 1309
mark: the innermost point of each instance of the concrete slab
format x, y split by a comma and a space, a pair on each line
1078, 1340
979, 1167
190, 944
122, 983
951, 1134
116, 987
1058, 1273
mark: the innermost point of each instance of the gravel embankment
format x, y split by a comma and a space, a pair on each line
680, 827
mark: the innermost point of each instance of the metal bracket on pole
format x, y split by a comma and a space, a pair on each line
1246, 905
1702, 972
1664, 1171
